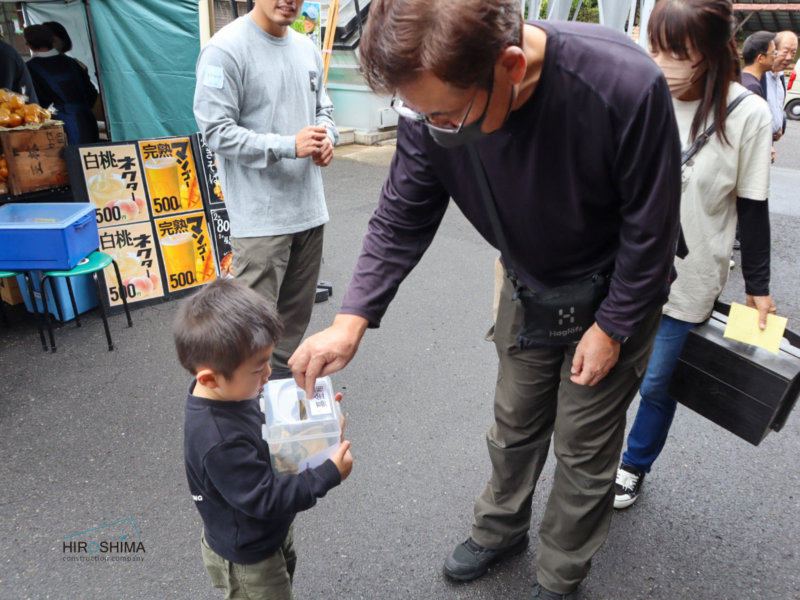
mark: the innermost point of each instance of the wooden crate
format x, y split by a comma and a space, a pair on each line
35, 158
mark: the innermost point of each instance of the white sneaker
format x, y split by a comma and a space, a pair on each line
628, 486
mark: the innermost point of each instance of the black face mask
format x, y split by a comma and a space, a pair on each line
468, 133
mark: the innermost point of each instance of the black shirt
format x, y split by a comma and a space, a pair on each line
753, 84
14, 74
586, 177
61, 81
246, 509
78, 89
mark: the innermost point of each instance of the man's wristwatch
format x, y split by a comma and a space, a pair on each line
614, 336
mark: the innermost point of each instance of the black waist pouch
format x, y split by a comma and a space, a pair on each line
554, 317
559, 316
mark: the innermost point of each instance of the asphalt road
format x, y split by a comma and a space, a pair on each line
90, 438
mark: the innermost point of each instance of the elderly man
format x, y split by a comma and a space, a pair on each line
773, 83
558, 143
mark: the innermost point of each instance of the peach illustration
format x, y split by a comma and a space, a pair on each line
143, 286
127, 208
139, 203
155, 280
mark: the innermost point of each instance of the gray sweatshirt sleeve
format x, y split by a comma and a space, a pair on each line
325, 106
216, 109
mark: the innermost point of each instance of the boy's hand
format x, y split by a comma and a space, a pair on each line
343, 460
325, 155
309, 141
342, 420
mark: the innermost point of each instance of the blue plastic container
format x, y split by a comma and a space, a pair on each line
47, 236
82, 286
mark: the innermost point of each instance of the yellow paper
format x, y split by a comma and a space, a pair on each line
743, 327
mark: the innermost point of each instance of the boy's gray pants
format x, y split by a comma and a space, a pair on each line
534, 400
285, 270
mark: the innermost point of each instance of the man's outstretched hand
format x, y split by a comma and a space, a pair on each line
328, 351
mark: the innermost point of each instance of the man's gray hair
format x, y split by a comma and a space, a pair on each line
222, 325
784, 36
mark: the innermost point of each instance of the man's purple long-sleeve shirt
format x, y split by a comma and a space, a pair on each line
585, 175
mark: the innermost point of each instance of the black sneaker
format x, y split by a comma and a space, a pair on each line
628, 486
540, 593
470, 560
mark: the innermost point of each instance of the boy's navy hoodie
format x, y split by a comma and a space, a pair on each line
246, 508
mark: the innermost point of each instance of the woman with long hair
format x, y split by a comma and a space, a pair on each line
693, 41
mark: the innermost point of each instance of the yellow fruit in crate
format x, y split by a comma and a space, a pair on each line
17, 102
15, 120
5, 118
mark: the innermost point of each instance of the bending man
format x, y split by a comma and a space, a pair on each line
573, 126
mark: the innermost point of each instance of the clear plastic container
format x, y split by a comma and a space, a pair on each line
301, 434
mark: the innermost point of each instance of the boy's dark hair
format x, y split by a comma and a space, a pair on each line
39, 36
756, 44
222, 325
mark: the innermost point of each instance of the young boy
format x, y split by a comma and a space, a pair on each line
225, 335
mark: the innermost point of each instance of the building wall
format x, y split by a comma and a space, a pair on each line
223, 14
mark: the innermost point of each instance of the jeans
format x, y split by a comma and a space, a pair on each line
656, 410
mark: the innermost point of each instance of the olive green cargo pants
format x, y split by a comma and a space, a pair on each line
285, 270
534, 400
270, 579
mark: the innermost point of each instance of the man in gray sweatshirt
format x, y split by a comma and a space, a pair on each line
262, 107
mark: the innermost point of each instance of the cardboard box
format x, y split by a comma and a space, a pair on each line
9, 291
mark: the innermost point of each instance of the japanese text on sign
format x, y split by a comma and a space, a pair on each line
133, 248
171, 178
186, 250
210, 170
113, 177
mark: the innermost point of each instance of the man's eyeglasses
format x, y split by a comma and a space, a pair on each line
409, 113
